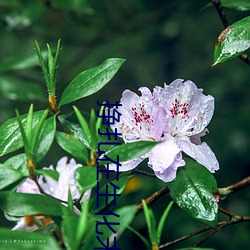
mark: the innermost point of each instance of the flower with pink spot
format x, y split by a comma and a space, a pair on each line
176, 115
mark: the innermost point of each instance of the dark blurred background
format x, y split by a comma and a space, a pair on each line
161, 41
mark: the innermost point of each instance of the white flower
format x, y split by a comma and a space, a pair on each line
58, 189
177, 115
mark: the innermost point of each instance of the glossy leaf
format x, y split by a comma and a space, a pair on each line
19, 90
10, 136
74, 228
151, 223
162, 221
69, 230
90, 81
71, 125
130, 151
193, 191
73, 146
46, 137
84, 125
241, 5
18, 162
8, 176
53, 174
21, 204
233, 41
86, 178
16, 240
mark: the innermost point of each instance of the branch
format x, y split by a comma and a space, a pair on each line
226, 23
224, 192
235, 220
152, 198
144, 173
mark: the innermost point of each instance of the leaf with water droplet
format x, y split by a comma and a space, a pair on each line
193, 190
90, 81
232, 41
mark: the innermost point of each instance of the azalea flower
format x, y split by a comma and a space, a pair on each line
177, 116
58, 189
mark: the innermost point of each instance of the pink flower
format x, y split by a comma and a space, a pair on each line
58, 189
177, 115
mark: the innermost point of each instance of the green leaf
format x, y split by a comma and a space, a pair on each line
18, 162
90, 81
69, 231
86, 178
73, 146
8, 176
74, 228
162, 222
53, 174
10, 136
46, 137
241, 5
193, 191
19, 90
16, 240
84, 125
233, 41
130, 151
151, 223
21, 204
92, 125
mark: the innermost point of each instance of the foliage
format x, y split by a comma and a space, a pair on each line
30, 140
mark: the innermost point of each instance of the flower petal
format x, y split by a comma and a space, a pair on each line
165, 158
141, 118
29, 187
189, 110
201, 153
127, 165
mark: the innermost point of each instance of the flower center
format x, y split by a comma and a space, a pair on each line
141, 115
141, 128
180, 110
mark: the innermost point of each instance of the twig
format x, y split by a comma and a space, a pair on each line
204, 229
226, 23
152, 198
224, 192
235, 220
144, 173
224, 211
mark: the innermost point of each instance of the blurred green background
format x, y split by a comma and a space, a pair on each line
161, 41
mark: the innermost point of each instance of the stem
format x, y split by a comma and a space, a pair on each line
185, 237
235, 220
226, 23
152, 198
144, 173
224, 192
